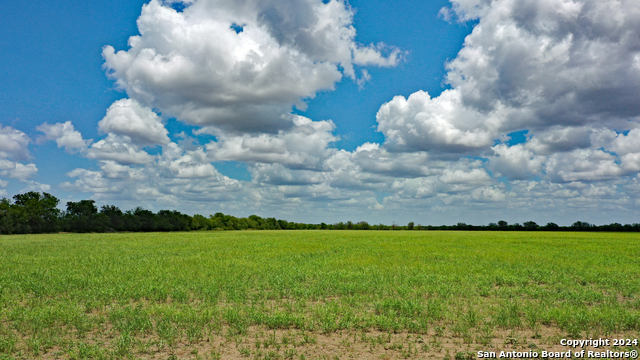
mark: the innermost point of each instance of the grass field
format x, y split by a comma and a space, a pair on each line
313, 294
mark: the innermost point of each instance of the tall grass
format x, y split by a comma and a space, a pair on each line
104, 294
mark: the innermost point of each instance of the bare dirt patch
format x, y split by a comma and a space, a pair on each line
262, 343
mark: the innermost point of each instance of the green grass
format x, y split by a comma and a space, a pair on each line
135, 295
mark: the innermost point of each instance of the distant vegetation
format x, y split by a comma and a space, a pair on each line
34, 213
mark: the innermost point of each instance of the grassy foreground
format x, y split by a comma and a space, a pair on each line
313, 294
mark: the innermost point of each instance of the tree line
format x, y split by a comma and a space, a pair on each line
35, 213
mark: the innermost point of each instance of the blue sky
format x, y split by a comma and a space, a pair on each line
413, 118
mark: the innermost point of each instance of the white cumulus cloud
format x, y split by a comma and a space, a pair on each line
119, 149
441, 124
128, 118
13, 143
304, 145
195, 66
65, 135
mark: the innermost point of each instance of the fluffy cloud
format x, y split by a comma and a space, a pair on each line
442, 124
36, 186
14, 147
119, 149
65, 135
474, 177
565, 70
516, 162
556, 61
89, 181
23, 172
584, 165
240, 66
13, 143
560, 139
128, 118
559, 68
190, 165
7, 164
626, 144
277, 174
113, 170
371, 158
178, 174
304, 145
18, 171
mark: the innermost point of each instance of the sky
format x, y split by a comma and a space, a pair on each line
435, 112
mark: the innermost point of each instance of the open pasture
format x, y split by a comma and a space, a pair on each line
313, 294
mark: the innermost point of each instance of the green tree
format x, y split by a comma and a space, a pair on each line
552, 226
146, 219
82, 216
36, 213
116, 217
284, 224
582, 226
198, 222
168, 220
6, 220
461, 226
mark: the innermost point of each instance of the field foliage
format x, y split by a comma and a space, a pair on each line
273, 294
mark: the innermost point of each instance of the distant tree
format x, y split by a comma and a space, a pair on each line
382, 226
6, 221
284, 224
493, 226
552, 226
363, 225
215, 223
256, 222
273, 223
530, 225
145, 219
581, 226
503, 224
198, 222
82, 208
82, 216
410, 225
116, 217
36, 213
167, 220
613, 227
